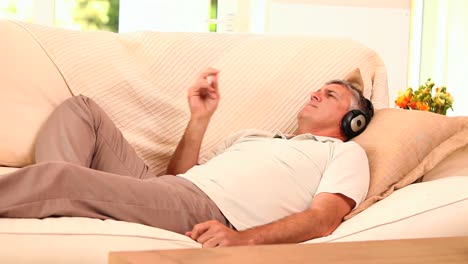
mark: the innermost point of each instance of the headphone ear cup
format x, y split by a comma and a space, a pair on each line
370, 112
353, 123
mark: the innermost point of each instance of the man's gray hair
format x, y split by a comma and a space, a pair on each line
358, 101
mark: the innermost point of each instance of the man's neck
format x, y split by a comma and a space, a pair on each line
321, 132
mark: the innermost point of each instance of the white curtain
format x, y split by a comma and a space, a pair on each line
443, 49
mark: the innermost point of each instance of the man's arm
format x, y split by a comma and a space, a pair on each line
323, 216
203, 99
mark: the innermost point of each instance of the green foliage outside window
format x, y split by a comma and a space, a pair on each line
78, 14
213, 14
10, 8
97, 14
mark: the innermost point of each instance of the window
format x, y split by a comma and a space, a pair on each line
17, 9
87, 14
71, 14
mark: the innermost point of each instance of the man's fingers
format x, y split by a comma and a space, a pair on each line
214, 81
214, 96
201, 84
205, 237
196, 88
204, 92
207, 72
210, 78
199, 229
213, 93
213, 242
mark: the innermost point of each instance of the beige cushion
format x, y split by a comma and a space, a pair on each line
30, 87
402, 145
456, 164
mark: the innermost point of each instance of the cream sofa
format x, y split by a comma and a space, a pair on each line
140, 80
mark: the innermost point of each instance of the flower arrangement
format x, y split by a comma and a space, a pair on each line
423, 100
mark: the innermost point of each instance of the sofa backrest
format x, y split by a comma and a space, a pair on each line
141, 80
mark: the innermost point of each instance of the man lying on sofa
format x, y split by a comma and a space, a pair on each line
261, 188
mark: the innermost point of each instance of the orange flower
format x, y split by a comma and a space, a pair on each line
413, 105
422, 106
401, 102
404, 99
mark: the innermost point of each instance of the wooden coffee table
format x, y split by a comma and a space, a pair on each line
427, 250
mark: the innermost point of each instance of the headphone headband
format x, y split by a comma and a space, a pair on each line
370, 109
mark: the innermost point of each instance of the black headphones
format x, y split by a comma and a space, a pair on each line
356, 121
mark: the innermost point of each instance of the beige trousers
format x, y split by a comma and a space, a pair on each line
85, 167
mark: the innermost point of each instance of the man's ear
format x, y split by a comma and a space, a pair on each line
355, 78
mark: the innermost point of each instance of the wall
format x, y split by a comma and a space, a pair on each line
381, 25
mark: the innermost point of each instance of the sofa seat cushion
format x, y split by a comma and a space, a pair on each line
57, 240
4, 170
420, 210
437, 208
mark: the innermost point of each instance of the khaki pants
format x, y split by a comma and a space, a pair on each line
86, 168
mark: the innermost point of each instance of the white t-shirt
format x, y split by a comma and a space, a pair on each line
256, 179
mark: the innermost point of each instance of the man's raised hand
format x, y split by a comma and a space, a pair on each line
203, 94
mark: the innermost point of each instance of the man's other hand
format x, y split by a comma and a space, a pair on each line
214, 234
203, 94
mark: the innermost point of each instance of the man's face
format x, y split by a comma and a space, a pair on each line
326, 108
